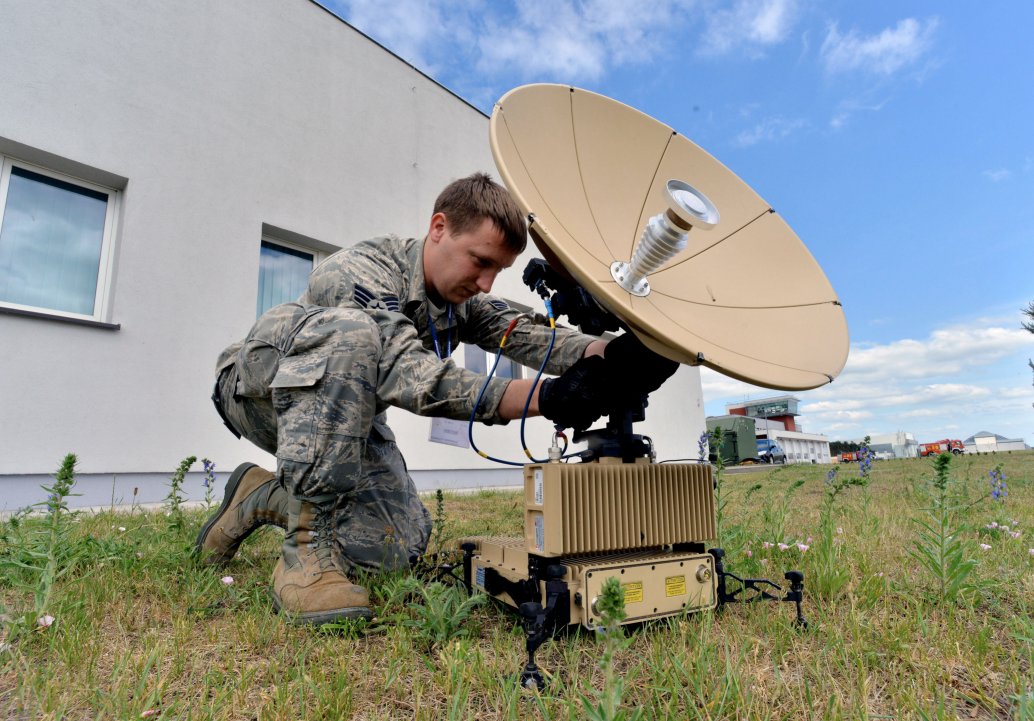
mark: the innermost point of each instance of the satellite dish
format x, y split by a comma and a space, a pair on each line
667, 238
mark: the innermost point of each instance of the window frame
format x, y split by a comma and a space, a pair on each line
318, 256
105, 264
485, 364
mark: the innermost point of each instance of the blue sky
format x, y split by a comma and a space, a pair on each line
896, 138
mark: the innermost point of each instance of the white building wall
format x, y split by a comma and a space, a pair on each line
218, 120
903, 443
802, 447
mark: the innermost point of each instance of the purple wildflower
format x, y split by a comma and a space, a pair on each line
702, 442
209, 473
999, 492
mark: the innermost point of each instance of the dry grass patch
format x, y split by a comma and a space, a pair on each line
141, 627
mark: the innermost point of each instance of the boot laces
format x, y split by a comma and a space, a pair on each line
322, 542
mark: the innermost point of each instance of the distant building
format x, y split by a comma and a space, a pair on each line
987, 442
781, 409
776, 419
899, 444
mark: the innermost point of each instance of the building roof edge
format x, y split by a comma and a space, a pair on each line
398, 57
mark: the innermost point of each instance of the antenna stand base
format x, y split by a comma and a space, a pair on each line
756, 586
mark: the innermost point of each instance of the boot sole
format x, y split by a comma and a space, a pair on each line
228, 493
321, 618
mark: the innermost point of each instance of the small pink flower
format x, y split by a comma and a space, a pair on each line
802, 547
992, 525
766, 544
149, 713
45, 621
1032, 551
783, 546
839, 529
1015, 534
878, 574
1015, 523
808, 539
227, 580
750, 554
985, 547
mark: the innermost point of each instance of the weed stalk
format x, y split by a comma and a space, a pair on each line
939, 548
174, 501
611, 606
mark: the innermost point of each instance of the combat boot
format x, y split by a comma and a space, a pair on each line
253, 497
308, 584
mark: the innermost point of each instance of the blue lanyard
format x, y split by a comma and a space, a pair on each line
434, 334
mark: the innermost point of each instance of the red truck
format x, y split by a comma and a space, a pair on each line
849, 457
947, 445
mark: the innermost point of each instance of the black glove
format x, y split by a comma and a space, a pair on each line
635, 370
578, 397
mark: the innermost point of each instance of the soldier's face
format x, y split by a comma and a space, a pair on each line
458, 266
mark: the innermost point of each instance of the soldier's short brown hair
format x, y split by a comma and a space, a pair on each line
468, 201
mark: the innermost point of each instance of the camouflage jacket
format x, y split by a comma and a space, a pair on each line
385, 277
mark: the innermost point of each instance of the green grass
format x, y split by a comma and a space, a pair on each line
141, 626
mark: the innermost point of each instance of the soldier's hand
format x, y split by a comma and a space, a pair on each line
635, 370
578, 397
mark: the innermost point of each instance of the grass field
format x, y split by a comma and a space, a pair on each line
141, 630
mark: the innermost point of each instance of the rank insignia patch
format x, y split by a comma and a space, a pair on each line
365, 298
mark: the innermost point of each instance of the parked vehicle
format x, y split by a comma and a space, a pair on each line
770, 451
946, 445
849, 457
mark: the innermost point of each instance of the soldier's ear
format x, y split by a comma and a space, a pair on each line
438, 227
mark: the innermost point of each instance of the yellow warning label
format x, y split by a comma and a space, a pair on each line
633, 592
675, 586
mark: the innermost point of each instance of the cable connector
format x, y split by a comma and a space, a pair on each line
554, 452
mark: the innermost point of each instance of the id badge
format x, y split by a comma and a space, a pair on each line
449, 432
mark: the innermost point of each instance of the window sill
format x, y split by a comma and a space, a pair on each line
60, 318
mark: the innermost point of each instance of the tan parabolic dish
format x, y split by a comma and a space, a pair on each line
745, 298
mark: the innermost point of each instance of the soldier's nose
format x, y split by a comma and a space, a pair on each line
485, 281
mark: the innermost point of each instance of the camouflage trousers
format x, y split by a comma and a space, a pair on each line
304, 387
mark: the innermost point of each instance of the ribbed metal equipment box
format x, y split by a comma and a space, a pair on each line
601, 508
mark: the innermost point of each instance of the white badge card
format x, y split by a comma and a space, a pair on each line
449, 432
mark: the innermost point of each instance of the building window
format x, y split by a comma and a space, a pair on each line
508, 368
283, 273
55, 242
475, 359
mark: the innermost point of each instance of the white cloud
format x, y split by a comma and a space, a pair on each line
748, 26
961, 376
884, 53
947, 351
575, 40
770, 129
998, 175
848, 108
568, 40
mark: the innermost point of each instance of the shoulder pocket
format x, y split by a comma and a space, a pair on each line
299, 372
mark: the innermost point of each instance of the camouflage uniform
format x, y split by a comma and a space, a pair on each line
312, 380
